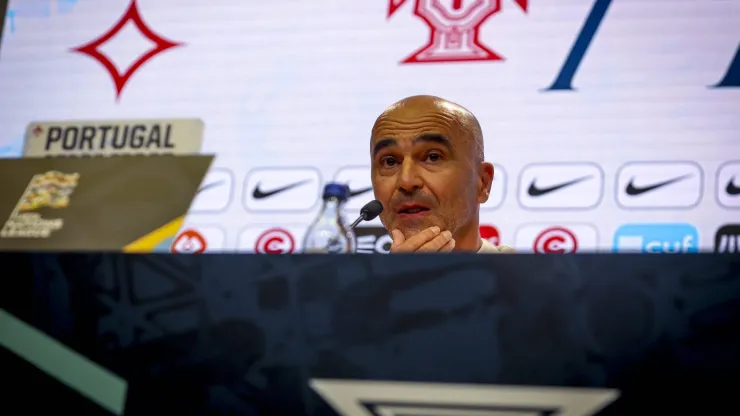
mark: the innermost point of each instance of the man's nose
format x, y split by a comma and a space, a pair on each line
409, 179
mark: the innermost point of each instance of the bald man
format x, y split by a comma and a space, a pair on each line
429, 173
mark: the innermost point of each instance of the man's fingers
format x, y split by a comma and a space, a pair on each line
448, 247
414, 242
437, 243
398, 237
398, 240
418, 240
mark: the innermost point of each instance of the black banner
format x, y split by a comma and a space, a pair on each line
271, 335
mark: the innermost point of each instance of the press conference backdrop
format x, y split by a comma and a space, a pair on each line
613, 124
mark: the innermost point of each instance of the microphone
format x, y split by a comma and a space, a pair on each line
368, 213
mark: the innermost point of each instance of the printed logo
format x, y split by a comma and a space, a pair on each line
498, 189
133, 17
48, 191
659, 185
260, 194
189, 241
454, 29
361, 397
114, 137
727, 239
282, 189
732, 189
656, 238
373, 240
356, 192
210, 185
535, 191
633, 190
360, 187
275, 241
556, 238
571, 64
215, 192
490, 233
272, 239
195, 239
728, 185
561, 186
35, 9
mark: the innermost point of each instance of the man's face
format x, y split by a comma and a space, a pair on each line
424, 170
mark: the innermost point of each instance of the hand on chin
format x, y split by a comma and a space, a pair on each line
411, 229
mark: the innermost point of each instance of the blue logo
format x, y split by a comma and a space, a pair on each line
36, 8
13, 149
656, 238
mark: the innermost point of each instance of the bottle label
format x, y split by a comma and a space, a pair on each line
314, 251
335, 246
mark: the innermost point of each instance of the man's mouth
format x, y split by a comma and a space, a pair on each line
413, 209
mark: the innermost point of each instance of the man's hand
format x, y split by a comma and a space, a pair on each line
430, 240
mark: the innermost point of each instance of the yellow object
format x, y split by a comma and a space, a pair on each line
149, 242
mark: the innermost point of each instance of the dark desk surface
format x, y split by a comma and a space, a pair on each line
243, 334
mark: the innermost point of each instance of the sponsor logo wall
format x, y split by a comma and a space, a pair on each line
727, 239
612, 125
656, 238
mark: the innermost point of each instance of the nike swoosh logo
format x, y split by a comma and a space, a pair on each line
535, 191
260, 194
209, 186
353, 193
731, 188
633, 190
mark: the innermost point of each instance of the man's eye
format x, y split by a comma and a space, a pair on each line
388, 161
434, 157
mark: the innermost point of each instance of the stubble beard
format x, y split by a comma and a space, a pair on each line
451, 223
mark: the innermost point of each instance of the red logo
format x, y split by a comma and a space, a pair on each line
275, 241
490, 233
189, 241
131, 15
455, 29
556, 240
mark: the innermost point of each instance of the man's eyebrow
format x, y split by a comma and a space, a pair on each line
382, 144
435, 138
425, 138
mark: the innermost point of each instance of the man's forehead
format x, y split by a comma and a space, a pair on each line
416, 119
410, 127
421, 108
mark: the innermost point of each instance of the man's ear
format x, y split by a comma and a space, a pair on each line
485, 180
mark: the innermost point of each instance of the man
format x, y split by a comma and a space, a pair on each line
429, 173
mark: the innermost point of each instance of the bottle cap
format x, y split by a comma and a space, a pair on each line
336, 190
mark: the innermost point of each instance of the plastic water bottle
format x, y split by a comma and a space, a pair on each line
329, 233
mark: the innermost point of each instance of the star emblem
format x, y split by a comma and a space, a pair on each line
132, 15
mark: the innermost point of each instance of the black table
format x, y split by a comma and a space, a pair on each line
260, 335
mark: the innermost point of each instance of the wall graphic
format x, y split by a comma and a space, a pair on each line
601, 116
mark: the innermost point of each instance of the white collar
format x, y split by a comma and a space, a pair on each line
487, 247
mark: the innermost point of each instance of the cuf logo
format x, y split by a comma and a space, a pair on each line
455, 29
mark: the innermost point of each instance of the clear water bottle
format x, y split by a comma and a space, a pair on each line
330, 233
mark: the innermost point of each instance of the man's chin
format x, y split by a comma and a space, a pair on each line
410, 227
411, 230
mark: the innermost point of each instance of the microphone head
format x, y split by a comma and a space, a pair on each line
371, 210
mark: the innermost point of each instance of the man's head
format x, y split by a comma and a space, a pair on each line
428, 168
